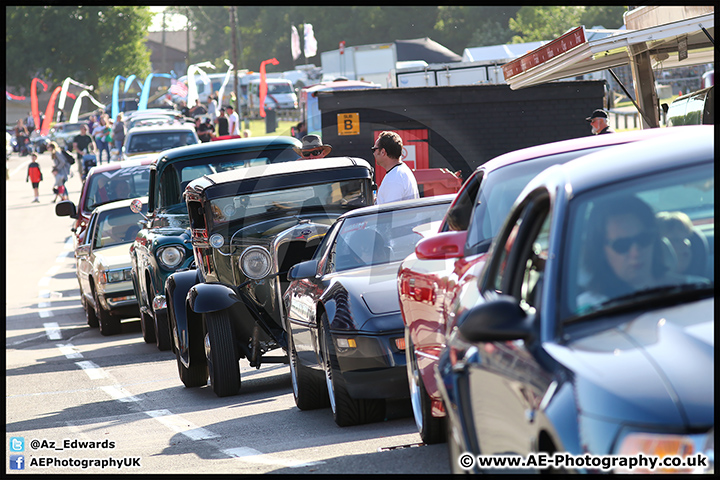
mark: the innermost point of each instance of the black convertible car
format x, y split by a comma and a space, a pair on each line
346, 335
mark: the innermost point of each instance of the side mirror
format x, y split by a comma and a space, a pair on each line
136, 206
498, 320
441, 246
301, 270
66, 208
82, 250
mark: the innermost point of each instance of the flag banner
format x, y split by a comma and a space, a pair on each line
179, 88
295, 43
310, 42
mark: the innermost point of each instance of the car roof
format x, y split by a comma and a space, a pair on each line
106, 167
118, 204
400, 205
573, 144
284, 168
165, 127
227, 147
680, 146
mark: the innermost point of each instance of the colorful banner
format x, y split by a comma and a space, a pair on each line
34, 101
49, 112
145, 94
78, 103
263, 84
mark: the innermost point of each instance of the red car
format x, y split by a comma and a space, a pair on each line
107, 183
443, 265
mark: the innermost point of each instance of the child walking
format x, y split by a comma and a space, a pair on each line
34, 175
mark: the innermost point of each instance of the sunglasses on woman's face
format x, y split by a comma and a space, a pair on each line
623, 244
313, 153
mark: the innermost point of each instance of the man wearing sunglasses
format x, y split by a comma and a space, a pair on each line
312, 147
399, 182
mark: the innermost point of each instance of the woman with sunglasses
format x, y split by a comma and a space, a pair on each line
624, 252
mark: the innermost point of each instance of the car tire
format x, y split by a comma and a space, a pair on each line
162, 330
109, 324
222, 360
454, 451
147, 321
92, 319
432, 429
346, 410
196, 375
309, 387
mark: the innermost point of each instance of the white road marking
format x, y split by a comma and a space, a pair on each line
47, 314
247, 454
120, 394
92, 369
52, 330
180, 425
70, 351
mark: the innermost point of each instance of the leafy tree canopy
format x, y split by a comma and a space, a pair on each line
90, 44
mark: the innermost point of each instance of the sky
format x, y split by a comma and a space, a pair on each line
172, 22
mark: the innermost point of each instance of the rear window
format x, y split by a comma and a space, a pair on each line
159, 141
106, 187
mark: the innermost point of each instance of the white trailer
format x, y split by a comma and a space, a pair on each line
370, 63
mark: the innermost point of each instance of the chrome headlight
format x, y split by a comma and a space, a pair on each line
113, 276
170, 257
217, 240
255, 262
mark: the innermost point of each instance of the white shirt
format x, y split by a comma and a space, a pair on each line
399, 184
233, 124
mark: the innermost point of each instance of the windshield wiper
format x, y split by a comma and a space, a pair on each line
651, 297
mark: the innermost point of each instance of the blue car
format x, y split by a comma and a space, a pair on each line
590, 329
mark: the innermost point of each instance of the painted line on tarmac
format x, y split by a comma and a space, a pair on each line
92, 369
181, 425
250, 455
52, 330
70, 351
20, 167
119, 393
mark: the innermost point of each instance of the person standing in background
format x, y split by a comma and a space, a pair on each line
222, 124
34, 175
119, 132
399, 182
233, 121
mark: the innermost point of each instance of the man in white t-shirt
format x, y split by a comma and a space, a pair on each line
233, 121
399, 182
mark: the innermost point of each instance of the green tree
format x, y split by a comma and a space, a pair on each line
89, 44
605, 16
534, 24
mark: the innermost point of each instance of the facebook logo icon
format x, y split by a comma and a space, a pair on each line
17, 444
17, 462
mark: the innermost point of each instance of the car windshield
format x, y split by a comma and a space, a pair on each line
117, 227
499, 190
275, 88
641, 241
111, 185
304, 199
158, 141
382, 238
176, 176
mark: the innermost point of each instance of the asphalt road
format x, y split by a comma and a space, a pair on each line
78, 402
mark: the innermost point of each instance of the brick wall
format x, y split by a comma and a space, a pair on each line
467, 125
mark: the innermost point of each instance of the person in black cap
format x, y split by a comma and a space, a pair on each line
599, 122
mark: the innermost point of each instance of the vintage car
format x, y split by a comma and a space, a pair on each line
157, 138
103, 265
249, 226
65, 132
345, 334
99, 188
163, 245
584, 333
430, 278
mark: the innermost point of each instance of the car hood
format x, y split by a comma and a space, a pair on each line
117, 256
654, 368
376, 285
